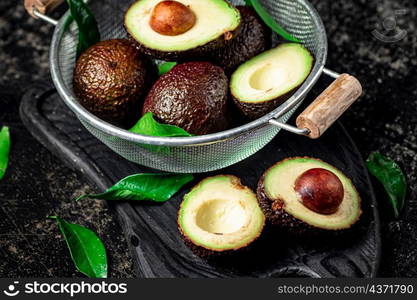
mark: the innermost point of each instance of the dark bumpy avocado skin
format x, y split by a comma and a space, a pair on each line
211, 254
257, 110
198, 53
110, 79
277, 216
192, 96
254, 38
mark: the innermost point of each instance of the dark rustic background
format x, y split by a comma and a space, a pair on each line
37, 184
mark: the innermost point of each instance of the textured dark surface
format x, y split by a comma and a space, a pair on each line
155, 241
38, 184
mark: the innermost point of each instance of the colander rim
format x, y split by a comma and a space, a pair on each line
71, 101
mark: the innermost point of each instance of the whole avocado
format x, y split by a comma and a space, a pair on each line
110, 79
254, 37
192, 96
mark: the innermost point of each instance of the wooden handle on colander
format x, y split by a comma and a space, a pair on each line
43, 6
330, 105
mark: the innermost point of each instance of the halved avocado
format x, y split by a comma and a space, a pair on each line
305, 194
266, 81
216, 23
219, 215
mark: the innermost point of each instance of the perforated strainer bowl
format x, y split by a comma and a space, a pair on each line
214, 151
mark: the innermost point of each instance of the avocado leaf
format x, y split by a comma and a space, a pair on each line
391, 177
148, 126
4, 150
166, 67
88, 33
152, 187
86, 249
270, 22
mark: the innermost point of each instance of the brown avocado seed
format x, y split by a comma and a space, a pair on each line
320, 190
172, 18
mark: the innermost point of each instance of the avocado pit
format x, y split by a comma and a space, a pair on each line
320, 190
172, 18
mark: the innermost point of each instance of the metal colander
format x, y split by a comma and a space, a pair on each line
193, 154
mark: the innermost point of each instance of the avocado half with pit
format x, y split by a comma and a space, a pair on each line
181, 29
266, 81
220, 215
308, 195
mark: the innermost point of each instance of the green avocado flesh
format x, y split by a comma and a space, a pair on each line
269, 78
279, 184
220, 214
214, 18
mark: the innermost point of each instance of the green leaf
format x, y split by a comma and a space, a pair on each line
166, 67
270, 22
88, 33
154, 187
248, 3
86, 249
67, 23
391, 177
4, 150
148, 126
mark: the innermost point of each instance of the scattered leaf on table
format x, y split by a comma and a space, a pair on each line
4, 150
86, 249
152, 187
391, 177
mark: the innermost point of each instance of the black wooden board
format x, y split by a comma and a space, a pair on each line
151, 230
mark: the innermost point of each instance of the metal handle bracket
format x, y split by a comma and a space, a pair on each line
327, 108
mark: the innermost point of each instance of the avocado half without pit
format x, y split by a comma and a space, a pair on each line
181, 29
266, 81
306, 195
219, 215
